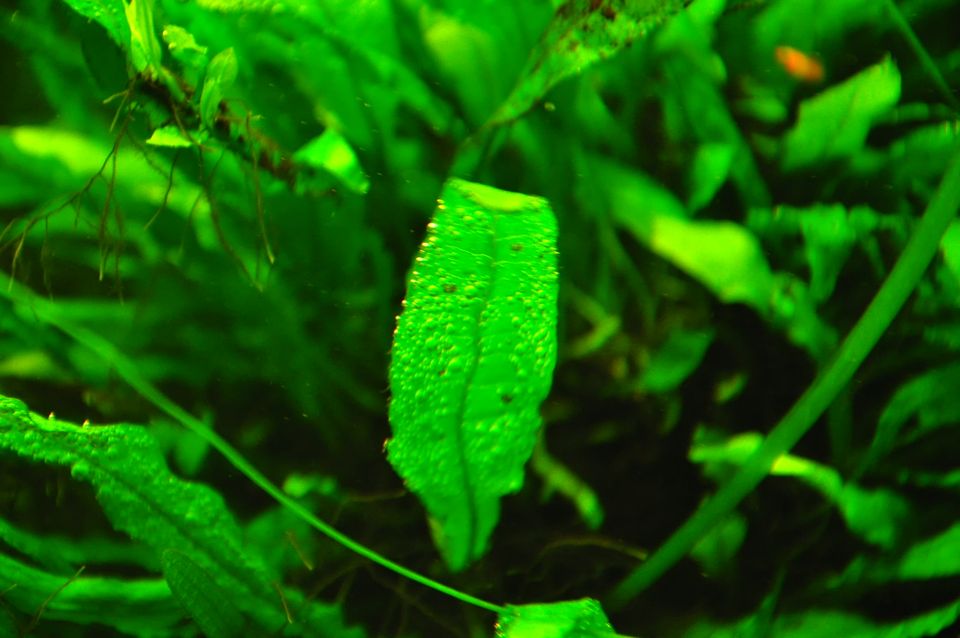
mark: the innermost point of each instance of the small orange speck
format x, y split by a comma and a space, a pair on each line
798, 64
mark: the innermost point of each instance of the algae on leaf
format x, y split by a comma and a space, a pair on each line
472, 359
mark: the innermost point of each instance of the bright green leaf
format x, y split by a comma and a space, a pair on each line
708, 172
835, 123
570, 619
110, 14
221, 73
473, 356
332, 153
145, 52
169, 135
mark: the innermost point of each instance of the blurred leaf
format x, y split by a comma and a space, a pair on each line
110, 14
716, 551
570, 619
835, 123
169, 136
708, 172
930, 398
332, 153
675, 360
145, 52
831, 622
876, 516
581, 33
221, 73
472, 359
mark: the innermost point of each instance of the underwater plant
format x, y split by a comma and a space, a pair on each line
569, 319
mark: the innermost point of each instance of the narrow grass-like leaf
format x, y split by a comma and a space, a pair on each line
472, 359
569, 619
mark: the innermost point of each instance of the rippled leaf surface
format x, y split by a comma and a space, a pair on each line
472, 359
569, 619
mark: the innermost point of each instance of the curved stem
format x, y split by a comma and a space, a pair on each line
46, 311
862, 338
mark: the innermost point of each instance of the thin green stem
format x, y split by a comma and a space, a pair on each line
832, 379
929, 66
46, 311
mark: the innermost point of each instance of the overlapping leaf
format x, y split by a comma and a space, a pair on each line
143, 499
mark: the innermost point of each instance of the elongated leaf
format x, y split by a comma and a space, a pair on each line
209, 605
143, 499
145, 52
569, 619
221, 73
137, 607
581, 33
472, 359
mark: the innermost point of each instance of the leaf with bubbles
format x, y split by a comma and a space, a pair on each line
569, 619
472, 359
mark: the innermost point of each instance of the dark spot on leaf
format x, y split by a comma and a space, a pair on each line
609, 13
449, 288
506, 398
516, 247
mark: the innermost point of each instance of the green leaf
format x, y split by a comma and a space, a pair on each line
169, 136
332, 153
835, 123
135, 607
570, 619
208, 604
143, 499
221, 73
110, 14
472, 359
675, 360
145, 52
816, 623
930, 398
877, 516
581, 33
708, 172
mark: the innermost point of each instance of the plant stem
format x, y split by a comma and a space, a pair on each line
44, 310
895, 290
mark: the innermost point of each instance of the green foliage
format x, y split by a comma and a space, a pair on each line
207, 211
472, 360
572, 619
